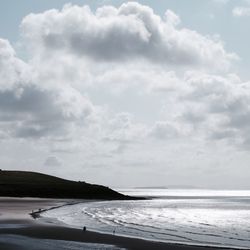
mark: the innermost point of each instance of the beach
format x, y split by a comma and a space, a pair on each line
18, 230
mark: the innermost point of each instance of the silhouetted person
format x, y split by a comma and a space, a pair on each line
84, 229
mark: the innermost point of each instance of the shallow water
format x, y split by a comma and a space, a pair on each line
206, 217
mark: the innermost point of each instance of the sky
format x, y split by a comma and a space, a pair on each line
127, 94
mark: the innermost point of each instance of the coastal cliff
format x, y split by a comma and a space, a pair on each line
32, 184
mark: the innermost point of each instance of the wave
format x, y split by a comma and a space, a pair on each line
214, 222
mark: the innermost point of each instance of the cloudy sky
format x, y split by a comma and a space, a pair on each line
146, 93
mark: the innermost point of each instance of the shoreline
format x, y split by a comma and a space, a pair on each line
42, 231
39, 229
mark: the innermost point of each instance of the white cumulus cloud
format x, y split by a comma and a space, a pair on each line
29, 107
241, 11
129, 32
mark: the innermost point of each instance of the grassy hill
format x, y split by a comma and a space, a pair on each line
31, 184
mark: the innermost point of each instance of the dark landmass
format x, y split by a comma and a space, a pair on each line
32, 184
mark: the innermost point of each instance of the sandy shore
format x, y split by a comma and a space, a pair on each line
19, 231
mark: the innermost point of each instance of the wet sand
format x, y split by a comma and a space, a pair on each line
15, 222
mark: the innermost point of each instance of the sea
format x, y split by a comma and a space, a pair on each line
187, 216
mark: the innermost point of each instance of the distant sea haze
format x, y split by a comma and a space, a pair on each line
189, 216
